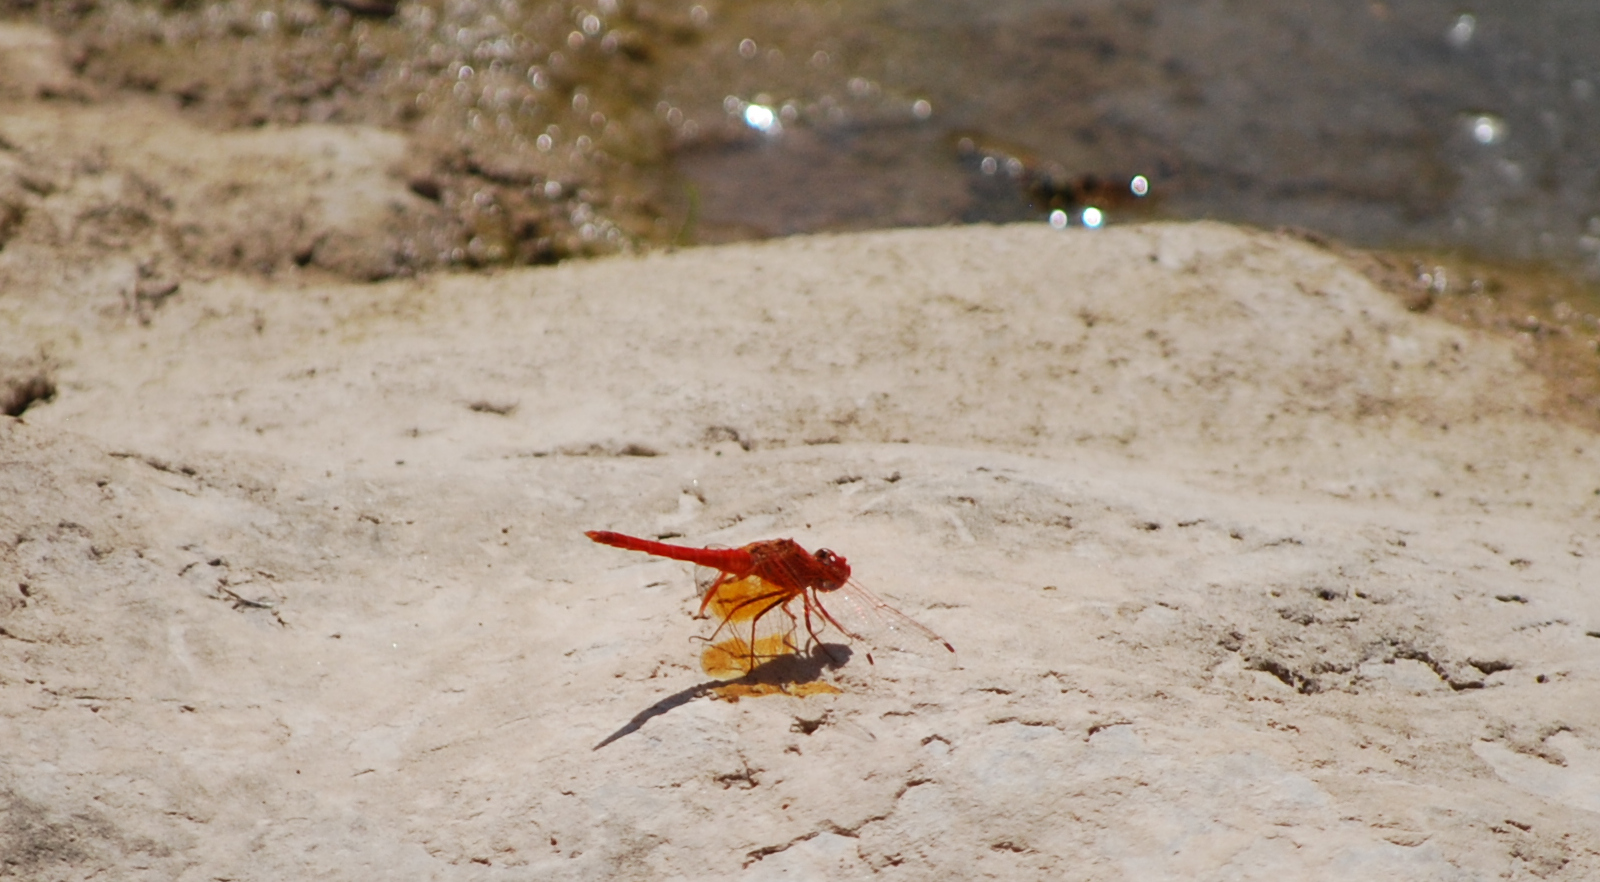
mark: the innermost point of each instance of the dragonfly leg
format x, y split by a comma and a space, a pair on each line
812, 630
823, 612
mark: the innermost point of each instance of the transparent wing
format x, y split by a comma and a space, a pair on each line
864, 616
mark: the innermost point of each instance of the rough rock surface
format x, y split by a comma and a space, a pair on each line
1251, 573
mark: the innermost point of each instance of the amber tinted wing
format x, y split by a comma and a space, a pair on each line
864, 616
753, 626
729, 658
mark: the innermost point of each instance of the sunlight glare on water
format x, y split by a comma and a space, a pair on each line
1460, 33
1487, 129
762, 119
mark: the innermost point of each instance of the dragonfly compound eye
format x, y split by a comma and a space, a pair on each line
837, 569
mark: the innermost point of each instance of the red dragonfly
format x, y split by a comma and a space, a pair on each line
751, 594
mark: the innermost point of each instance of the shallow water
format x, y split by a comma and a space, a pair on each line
565, 128
1405, 124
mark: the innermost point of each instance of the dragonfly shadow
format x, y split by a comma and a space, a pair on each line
795, 669
798, 667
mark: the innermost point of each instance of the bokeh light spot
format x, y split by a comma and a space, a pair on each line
760, 117
1488, 129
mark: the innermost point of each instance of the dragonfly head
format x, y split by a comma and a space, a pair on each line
835, 569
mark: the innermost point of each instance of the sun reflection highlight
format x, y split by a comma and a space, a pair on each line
1487, 129
1460, 33
1092, 218
761, 118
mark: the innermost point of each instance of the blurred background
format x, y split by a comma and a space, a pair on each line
566, 128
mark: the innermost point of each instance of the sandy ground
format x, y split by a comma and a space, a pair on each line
1251, 573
